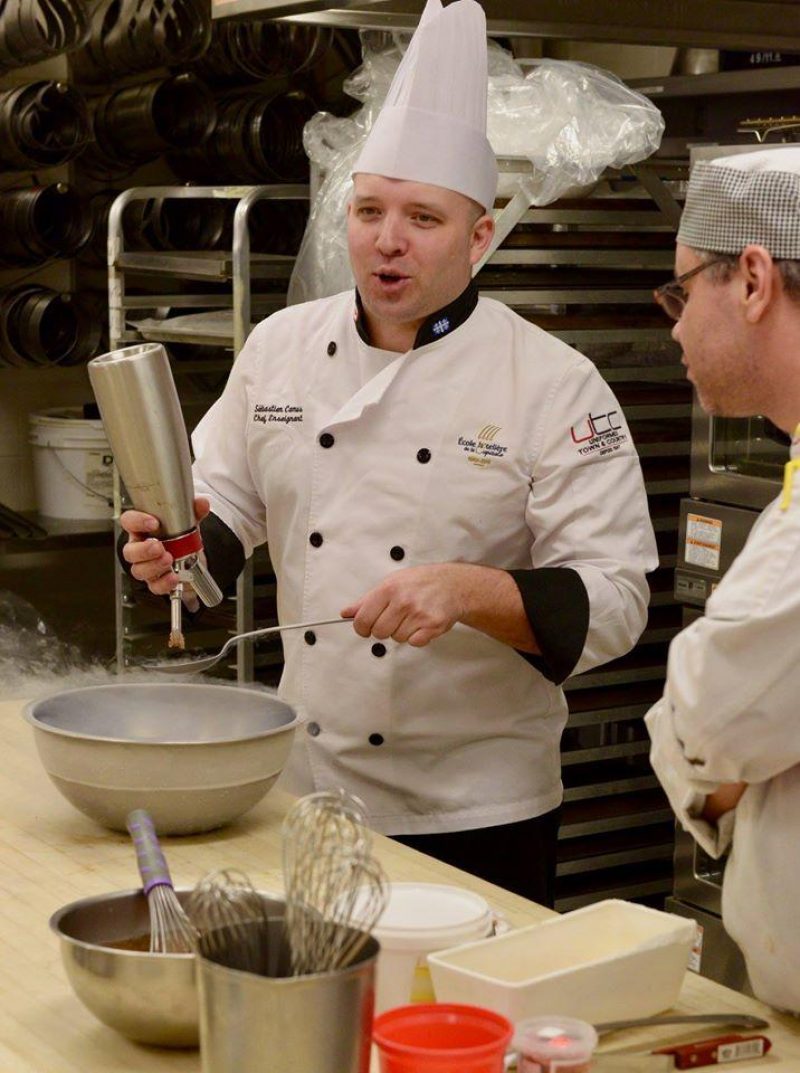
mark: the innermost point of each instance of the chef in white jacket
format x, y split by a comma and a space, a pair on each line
459, 483
726, 734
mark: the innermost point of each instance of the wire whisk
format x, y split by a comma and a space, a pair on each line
335, 888
171, 930
231, 919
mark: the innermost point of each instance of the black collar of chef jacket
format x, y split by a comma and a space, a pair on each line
437, 325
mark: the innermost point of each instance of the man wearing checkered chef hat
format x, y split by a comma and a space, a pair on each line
459, 483
725, 739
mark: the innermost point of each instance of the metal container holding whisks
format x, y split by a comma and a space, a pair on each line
274, 1022
142, 417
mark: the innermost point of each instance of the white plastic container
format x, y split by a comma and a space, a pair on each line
605, 962
72, 465
418, 919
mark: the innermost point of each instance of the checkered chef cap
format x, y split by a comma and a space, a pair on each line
750, 198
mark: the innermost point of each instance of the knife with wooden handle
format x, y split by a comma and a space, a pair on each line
705, 1052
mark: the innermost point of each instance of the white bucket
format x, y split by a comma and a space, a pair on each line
72, 465
419, 919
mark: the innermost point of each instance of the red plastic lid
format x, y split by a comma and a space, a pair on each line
449, 1030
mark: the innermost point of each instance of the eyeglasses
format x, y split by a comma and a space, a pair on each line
672, 296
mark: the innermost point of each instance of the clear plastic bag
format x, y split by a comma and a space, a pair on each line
570, 120
322, 266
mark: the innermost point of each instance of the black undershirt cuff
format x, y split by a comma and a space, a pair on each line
557, 605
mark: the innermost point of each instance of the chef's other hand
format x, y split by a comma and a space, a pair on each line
414, 605
722, 800
150, 561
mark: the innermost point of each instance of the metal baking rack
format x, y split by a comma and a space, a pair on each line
146, 289
584, 268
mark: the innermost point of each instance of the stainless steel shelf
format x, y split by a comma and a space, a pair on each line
620, 813
611, 787
203, 264
581, 337
599, 258
539, 296
748, 82
61, 534
571, 757
595, 863
658, 450
639, 888
732, 24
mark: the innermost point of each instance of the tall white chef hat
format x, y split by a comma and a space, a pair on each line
432, 127
750, 198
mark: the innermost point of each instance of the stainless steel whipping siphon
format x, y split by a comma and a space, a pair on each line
143, 421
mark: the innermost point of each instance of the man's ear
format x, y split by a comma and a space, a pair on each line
760, 278
482, 233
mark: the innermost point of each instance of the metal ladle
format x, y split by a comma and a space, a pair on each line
202, 663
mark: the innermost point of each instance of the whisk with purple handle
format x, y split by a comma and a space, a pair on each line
171, 930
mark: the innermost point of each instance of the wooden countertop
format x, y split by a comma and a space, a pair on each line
50, 854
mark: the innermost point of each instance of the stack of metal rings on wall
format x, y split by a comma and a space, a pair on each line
39, 327
176, 224
33, 30
127, 36
260, 49
39, 223
143, 121
42, 124
258, 138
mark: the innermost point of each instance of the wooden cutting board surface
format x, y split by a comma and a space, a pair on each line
50, 855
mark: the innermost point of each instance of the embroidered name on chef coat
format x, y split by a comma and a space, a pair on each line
599, 433
482, 449
265, 413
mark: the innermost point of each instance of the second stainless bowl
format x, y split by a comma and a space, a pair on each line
195, 755
150, 998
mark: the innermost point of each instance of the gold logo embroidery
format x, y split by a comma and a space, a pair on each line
482, 449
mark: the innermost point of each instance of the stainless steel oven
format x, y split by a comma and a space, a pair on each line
736, 460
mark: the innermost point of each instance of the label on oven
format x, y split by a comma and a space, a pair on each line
703, 541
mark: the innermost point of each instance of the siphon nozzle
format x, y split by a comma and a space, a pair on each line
176, 639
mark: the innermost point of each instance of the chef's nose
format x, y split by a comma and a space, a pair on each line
391, 236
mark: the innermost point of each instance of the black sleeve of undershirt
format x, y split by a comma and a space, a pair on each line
224, 552
557, 606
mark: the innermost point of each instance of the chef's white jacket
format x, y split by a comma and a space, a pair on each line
730, 714
490, 442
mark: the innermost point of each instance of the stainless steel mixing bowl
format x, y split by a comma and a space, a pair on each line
195, 755
151, 998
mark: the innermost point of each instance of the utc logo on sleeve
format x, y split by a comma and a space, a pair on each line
599, 433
